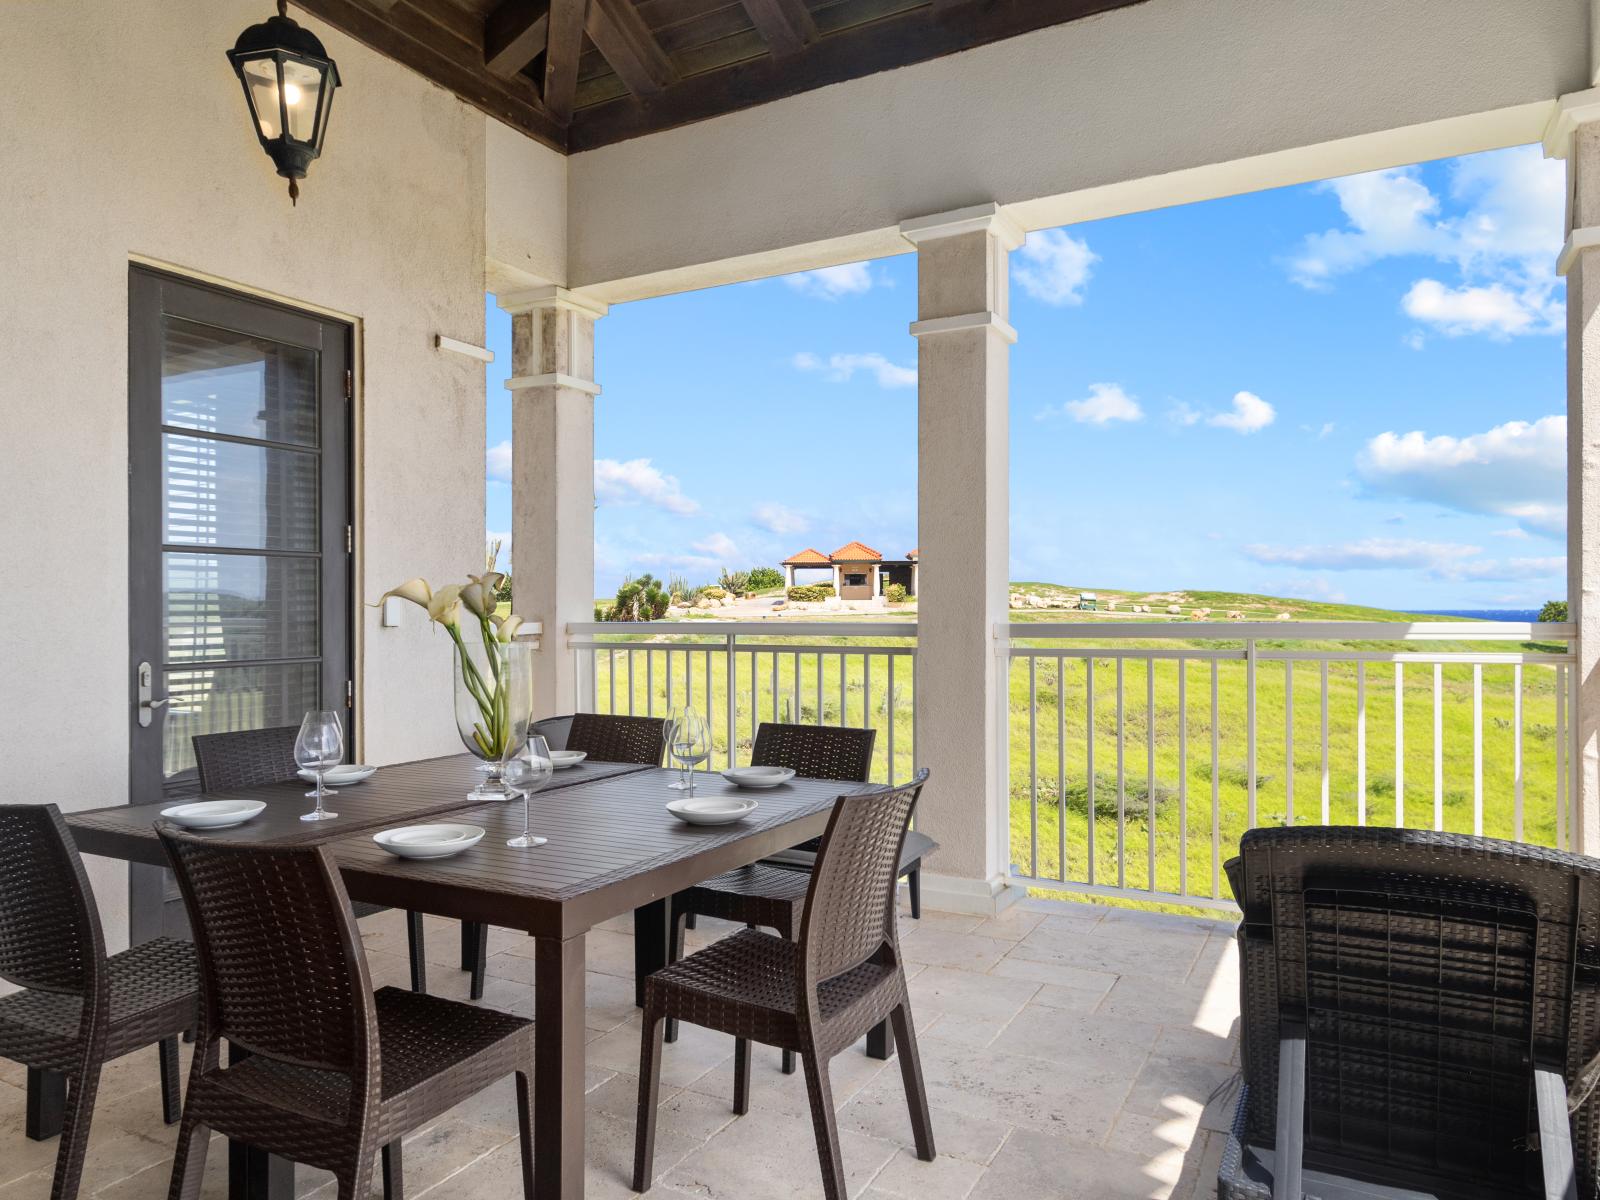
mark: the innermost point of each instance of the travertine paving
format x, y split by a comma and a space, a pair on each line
1071, 1051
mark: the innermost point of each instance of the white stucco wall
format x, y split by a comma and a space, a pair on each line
1163, 102
526, 222
123, 133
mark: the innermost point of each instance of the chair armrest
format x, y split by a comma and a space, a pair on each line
1290, 1150
1555, 1135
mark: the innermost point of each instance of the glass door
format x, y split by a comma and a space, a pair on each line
240, 535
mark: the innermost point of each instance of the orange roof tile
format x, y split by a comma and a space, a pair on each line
856, 552
807, 558
913, 554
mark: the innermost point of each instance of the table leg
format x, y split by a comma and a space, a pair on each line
47, 1103
558, 1058
254, 1174
652, 933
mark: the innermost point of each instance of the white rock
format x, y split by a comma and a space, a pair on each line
1174, 609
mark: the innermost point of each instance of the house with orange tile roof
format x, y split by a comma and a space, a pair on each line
859, 571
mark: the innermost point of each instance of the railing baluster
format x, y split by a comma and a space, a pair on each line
889, 704
1516, 750
1216, 791
1183, 778
866, 694
1150, 773
1033, 767
1325, 781
1250, 730
820, 720
1399, 745
794, 690
1122, 783
1477, 748
731, 695
670, 709
1438, 746
1089, 751
1061, 767
1288, 742
611, 679
1563, 758
630, 682
650, 683
1361, 743
842, 701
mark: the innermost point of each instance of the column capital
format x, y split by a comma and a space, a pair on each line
980, 218
1578, 241
518, 383
1572, 110
977, 320
552, 297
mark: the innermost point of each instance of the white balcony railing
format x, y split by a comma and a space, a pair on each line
1136, 762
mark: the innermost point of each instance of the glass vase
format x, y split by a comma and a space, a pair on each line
494, 704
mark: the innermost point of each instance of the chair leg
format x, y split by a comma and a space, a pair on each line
680, 921
75, 1134
788, 1062
419, 961
644, 1145
189, 1160
394, 1183
824, 1123
171, 1102
47, 1103
525, 1131
480, 957
914, 890
741, 1076
911, 1075
691, 921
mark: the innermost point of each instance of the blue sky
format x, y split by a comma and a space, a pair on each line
1350, 390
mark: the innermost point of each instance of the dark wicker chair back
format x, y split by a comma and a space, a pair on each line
850, 907
282, 973
815, 751
1430, 974
554, 730
608, 738
245, 758
50, 937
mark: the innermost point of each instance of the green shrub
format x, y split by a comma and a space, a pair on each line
764, 578
895, 593
1553, 611
678, 588
641, 599
712, 592
737, 582
811, 593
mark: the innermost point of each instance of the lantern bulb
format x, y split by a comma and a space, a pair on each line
292, 93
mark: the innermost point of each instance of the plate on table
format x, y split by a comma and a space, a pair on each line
758, 777
213, 814
429, 841
711, 810
562, 759
341, 776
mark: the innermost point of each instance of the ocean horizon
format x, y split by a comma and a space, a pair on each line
1483, 614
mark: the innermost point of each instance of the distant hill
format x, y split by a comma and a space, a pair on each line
1254, 607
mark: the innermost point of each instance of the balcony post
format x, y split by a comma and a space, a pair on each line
552, 453
1574, 134
963, 533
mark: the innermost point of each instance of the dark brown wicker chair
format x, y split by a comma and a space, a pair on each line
771, 894
78, 1009
604, 738
330, 1072
253, 757
814, 996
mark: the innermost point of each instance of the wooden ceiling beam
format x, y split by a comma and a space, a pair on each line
564, 48
622, 37
514, 34
785, 25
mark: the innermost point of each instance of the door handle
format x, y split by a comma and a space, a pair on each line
144, 679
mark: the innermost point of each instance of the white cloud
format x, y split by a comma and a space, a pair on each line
841, 368
1367, 554
637, 481
499, 461
1250, 414
1515, 470
1495, 309
1054, 267
1516, 533
830, 283
1511, 569
1184, 414
718, 546
781, 519
1105, 403
1390, 212
1314, 588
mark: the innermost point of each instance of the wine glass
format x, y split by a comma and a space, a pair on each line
320, 745
527, 773
689, 741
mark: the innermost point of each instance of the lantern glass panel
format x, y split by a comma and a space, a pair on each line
302, 87
262, 76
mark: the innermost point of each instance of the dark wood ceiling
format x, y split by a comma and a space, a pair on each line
577, 74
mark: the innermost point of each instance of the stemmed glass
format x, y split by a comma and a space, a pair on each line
527, 773
320, 745
688, 741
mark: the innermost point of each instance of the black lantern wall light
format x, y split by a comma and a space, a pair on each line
288, 82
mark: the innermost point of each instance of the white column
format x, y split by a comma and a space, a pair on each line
788, 575
1574, 134
963, 529
838, 581
552, 449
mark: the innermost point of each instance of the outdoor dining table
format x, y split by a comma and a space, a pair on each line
613, 848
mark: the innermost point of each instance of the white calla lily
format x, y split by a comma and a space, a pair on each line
445, 605
415, 590
506, 627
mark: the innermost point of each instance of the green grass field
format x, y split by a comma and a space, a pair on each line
1192, 792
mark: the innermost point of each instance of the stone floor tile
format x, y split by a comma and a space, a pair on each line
944, 1178
772, 1090
1068, 999
1172, 1087
762, 1157
879, 1111
968, 994
1166, 961
1059, 974
941, 948
1185, 1041
1040, 1164
1027, 1090
1076, 1039
1010, 926
682, 1062
1134, 999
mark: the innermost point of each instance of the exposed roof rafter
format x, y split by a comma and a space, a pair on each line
514, 35
626, 43
785, 25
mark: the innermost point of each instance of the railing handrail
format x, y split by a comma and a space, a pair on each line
1293, 631
776, 628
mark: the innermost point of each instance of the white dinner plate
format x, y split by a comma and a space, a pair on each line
341, 776
711, 810
213, 814
429, 841
758, 777
562, 759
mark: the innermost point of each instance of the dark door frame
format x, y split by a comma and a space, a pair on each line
152, 295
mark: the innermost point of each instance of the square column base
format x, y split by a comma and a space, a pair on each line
969, 897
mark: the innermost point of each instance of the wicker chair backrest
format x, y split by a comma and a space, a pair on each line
608, 738
245, 758
850, 906
554, 730
50, 937
282, 973
815, 751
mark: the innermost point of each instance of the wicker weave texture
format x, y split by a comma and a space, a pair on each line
331, 1072
1430, 971
607, 738
815, 751
245, 758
